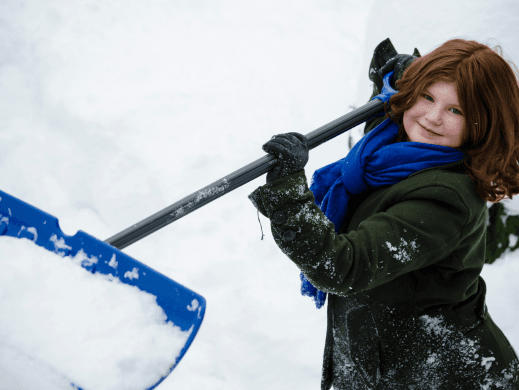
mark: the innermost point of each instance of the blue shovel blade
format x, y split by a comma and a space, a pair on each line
183, 307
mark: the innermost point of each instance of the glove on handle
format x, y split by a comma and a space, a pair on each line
386, 59
381, 55
291, 151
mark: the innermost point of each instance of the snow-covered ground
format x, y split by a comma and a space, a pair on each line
111, 111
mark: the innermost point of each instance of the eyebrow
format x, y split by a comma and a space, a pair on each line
450, 104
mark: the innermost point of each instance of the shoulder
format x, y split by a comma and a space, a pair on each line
449, 185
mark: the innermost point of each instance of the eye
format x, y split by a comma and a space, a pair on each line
456, 111
427, 96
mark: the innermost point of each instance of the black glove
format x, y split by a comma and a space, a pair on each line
291, 151
386, 59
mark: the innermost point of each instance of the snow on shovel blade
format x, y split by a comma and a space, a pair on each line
183, 307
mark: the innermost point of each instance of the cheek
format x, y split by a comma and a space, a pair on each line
406, 119
413, 113
409, 117
456, 126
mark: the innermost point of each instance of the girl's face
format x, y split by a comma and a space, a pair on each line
436, 117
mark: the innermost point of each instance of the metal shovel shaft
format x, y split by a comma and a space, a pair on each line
238, 178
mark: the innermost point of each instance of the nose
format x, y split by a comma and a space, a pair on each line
434, 116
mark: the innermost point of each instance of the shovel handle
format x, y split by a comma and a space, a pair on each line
238, 178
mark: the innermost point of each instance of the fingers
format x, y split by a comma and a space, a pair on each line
287, 140
383, 52
276, 148
291, 151
388, 67
283, 143
300, 137
292, 139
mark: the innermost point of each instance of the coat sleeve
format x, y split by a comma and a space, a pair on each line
418, 230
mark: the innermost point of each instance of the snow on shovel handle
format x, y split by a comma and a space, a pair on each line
242, 176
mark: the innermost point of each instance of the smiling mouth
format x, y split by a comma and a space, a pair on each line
430, 131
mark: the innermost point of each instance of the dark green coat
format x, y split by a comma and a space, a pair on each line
406, 304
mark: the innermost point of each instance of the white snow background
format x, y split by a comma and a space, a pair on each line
112, 111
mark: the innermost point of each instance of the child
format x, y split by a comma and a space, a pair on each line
397, 237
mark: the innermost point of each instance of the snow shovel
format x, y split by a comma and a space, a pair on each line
183, 307
242, 176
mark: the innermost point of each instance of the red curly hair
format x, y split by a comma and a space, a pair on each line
488, 93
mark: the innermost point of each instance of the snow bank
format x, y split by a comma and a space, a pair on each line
63, 324
503, 295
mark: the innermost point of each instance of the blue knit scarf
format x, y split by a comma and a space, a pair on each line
375, 161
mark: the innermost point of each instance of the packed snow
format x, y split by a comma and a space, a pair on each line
61, 324
111, 111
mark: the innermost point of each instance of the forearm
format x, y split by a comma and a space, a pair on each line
307, 237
